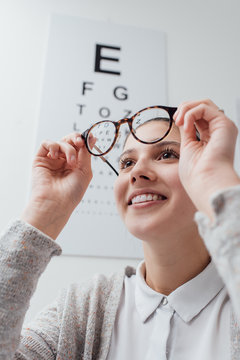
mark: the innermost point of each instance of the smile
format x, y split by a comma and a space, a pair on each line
145, 198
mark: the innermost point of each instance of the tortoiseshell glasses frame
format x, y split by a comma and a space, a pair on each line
117, 124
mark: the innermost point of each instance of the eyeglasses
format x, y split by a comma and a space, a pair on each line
105, 133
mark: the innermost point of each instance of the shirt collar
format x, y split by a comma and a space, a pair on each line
187, 300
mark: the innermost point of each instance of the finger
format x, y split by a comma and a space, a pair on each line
197, 118
74, 139
202, 128
84, 156
58, 149
187, 105
200, 112
69, 151
48, 148
187, 137
184, 107
92, 141
77, 141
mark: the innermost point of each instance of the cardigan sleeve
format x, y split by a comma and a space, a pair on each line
24, 254
222, 239
39, 340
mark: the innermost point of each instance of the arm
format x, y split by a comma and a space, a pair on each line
222, 239
24, 254
61, 174
207, 173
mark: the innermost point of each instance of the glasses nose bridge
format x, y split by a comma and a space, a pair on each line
118, 125
122, 121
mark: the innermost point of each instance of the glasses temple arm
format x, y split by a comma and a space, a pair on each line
105, 160
101, 157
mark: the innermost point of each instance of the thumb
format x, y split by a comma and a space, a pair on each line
188, 135
84, 157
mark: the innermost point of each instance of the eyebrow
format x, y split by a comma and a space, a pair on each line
155, 146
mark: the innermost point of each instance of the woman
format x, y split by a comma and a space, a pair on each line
175, 306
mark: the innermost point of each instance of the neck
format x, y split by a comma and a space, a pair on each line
172, 262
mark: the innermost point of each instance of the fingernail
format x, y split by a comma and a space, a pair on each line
73, 158
79, 139
56, 154
52, 154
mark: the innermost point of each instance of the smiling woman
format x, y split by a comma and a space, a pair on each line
153, 170
180, 196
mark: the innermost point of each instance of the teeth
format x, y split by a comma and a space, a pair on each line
147, 197
143, 197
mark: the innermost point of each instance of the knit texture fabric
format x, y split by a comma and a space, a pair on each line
222, 239
80, 322
24, 254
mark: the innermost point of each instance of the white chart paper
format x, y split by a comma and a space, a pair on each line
95, 71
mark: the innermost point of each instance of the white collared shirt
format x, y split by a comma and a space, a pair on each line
193, 322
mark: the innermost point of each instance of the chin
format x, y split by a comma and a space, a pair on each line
144, 230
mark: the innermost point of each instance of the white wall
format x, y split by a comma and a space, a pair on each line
203, 56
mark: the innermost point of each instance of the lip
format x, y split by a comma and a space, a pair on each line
142, 192
146, 205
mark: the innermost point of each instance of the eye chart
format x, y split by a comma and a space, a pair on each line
98, 71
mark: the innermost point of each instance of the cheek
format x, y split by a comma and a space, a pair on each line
119, 191
170, 176
175, 185
183, 200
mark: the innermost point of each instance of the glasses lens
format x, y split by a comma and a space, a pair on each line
101, 137
149, 116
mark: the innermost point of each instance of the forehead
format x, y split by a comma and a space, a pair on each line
152, 130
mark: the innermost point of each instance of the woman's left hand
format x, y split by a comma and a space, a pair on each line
206, 166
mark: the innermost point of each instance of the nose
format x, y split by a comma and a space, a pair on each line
141, 172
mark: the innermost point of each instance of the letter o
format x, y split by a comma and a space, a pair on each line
104, 112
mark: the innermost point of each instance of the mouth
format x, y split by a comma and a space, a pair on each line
144, 198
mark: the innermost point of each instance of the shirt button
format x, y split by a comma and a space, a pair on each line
164, 301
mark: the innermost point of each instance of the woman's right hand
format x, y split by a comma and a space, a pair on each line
61, 175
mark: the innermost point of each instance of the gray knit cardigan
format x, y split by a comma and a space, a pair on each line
80, 323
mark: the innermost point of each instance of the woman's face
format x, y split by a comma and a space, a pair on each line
149, 195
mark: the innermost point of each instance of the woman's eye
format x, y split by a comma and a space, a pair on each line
125, 163
168, 154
